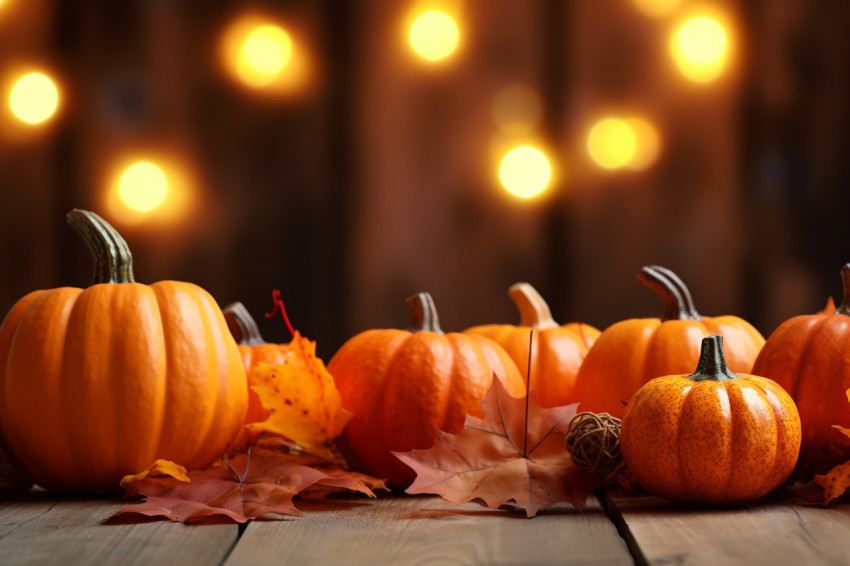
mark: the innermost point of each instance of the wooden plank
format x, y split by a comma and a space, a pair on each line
41, 530
767, 532
424, 530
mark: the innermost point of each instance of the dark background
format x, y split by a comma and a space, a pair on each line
377, 181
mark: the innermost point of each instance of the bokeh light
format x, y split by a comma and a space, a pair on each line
517, 109
647, 144
699, 47
143, 186
657, 8
525, 171
434, 35
264, 54
611, 143
34, 98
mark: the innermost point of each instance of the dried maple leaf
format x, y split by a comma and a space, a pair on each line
514, 454
302, 399
246, 487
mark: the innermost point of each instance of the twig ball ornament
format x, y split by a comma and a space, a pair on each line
593, 442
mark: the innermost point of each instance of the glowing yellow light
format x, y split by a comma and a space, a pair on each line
34, 98
611, 143
143, 186
263, 55
434, 35
699, 48
516, 109
525, 171
647, 144
656, 8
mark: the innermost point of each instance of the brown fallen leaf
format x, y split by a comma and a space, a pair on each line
247, 486
515, 454
836, 481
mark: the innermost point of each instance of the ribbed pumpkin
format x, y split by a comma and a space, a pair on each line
99, 382
557, 351
711, 436
808, 356
401, 384
631, 352
254, 350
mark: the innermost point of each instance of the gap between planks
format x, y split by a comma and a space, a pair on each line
772, 532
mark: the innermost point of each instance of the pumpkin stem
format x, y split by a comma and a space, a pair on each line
242, 325
533, 310
678, 304
423, 314
113, 262
845, 300
712, 363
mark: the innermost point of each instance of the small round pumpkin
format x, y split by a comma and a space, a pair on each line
401, 385
807, 355
557, 351
100, 382
255, 351
711, 436
631, 352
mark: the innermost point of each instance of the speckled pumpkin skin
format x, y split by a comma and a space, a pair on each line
710, 441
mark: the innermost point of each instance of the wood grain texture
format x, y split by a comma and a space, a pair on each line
37, 529
765, 532
427, 530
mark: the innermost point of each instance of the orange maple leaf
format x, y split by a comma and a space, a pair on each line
245, 487
515, 454
301, 398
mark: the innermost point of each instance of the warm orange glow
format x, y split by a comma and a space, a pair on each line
143, 186
611, 143
517, 109
647, 144
657, 8
525, 172
700, 48
34, 98
434, 35
263, 55
154, 187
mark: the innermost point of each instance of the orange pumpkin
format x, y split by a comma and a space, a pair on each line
254, 351
807, 355
99, 382
402, 384
711, 436
631, 352
557, 351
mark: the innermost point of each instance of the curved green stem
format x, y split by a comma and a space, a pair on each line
678, 304
242, 325
423, 314
113, 262
712, 362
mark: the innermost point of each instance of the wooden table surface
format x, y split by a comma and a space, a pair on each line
36, 528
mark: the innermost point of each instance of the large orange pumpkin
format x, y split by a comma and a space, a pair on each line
711, 436
255, 351
808, 356
99, 382
557, 351
631, 352
400, 385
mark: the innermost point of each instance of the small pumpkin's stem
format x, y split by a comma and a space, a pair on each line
845, 300
423, 314
678, 304
533, 310
242, 325
712, 363
113, 262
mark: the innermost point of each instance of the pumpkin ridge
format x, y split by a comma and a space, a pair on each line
769, 478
